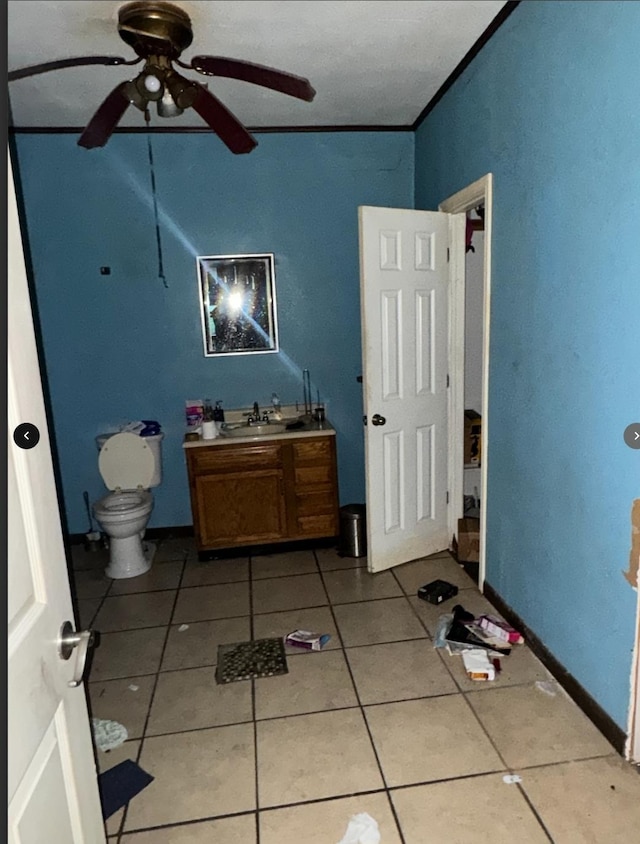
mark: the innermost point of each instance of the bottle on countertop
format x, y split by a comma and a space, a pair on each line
218, 415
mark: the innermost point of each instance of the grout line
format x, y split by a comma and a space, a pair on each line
143, 736
363, 716
253, 706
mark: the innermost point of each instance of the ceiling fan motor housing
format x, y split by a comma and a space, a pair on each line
153, 28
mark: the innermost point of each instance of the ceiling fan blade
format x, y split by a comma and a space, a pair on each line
100, 128
268, 77
59, 64
224, 124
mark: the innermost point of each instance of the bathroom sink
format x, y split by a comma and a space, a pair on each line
256, 430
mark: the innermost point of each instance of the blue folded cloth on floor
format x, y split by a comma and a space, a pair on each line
119, 784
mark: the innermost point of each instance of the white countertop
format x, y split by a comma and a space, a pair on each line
310, 429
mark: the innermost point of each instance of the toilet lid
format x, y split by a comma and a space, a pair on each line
126, 462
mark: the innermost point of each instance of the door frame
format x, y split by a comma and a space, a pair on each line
632, 748
480, 191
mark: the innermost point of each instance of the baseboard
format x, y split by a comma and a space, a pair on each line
151, 533
607, 726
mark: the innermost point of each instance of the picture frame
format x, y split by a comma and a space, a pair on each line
237, 297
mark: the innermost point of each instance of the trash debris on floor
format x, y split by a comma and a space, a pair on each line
362, 829
182, 628
481, 641
251, 660
437, 591
307, 640
108, 734
120, 784
547, 686
510, 779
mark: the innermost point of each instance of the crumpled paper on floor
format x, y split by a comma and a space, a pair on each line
362, 829
108, 734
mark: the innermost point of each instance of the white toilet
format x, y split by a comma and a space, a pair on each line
130, 466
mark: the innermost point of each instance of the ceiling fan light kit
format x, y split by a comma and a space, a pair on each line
159, 32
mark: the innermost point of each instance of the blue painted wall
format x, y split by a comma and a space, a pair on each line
550, 107
123, 347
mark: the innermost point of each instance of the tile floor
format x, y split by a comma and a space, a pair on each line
378, 722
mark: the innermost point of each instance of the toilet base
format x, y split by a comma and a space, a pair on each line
129, 557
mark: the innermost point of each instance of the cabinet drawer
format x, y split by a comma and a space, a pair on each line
316, 503
313, 451
313, 475
317, 526
234, 458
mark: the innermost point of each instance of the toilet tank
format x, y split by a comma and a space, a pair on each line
155, 444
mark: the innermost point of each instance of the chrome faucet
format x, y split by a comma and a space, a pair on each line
254, 418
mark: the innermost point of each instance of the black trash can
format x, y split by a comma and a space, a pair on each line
353, 531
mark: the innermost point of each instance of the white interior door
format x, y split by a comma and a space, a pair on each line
52, 784
404, 275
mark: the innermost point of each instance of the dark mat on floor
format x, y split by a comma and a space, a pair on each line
251, 660
119, 784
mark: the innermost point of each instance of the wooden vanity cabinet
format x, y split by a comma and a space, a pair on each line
260, 493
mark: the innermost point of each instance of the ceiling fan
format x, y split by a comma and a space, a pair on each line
158, 32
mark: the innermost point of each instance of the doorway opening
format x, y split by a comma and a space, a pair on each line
469, 309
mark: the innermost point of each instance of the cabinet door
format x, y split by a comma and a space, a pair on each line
240, 508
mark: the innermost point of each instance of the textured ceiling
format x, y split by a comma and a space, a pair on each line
371, 63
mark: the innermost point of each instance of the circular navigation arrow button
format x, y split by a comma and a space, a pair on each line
27, 435
632, 435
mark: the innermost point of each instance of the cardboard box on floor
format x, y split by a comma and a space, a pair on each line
472, 437
469, 540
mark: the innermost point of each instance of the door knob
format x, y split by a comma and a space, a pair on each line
68, 641
376, 419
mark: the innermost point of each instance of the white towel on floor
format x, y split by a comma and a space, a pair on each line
362, 829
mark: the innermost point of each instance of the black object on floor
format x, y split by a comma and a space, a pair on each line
251, 660
119, 784
437, 591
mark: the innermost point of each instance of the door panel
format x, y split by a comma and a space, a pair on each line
52, 780
404, 306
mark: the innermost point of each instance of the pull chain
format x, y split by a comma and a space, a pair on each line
155, 204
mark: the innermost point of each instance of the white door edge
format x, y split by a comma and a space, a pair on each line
462, 201
632, 746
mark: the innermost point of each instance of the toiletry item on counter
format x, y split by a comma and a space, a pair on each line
209, 429
218, 415
195, 412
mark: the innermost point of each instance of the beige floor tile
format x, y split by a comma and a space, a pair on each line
316, 682
330, 560
477, 810
352, 585
198, 644
191, 699
175, 549
215, 571
309, 757
314, 619
107, 760
413, 575
399, 671
160, 576
286, 563
589, 802
224, 600
238, 830
128, 654
90, 583
288, 593
430, 739
374, 622
128, 612
114, 700
197, 775
520, 667
470, 599
87, 611
531, 728
326, 822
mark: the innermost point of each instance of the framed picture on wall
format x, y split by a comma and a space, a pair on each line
238, 304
